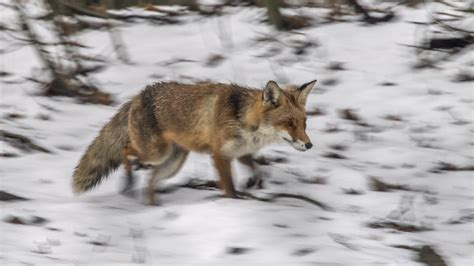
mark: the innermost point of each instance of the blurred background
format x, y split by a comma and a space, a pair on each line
389, 181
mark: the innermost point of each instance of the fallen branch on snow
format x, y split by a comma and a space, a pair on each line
272, 197
275, 196
21, 142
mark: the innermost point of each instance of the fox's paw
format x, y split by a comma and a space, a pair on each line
236, 195
129, 193
152, 202
139, 166
150, 198
241, 195
255, 181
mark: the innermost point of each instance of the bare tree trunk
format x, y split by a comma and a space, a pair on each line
70, 51
119, 47
63, 81
43, 54
274, 15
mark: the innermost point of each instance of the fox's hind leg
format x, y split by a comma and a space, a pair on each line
129, 183
256, 178
169, 167
129, 158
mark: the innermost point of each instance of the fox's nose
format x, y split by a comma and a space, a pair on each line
308, 145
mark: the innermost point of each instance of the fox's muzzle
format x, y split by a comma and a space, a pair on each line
301, 146
297, 143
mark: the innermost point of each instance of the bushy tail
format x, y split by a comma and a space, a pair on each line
104, 155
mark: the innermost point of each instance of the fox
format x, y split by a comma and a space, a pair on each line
166, 121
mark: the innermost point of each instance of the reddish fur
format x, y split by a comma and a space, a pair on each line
203, 118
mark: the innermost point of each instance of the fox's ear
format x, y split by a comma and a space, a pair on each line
304, 91
272, 94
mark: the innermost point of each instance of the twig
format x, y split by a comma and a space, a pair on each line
448, 14
92, 13
42, 43
367, 17
21, 142
449, 27
32, 36
421, 47
275, 196
445, 3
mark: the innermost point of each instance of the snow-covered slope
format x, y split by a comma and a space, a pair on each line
420, 120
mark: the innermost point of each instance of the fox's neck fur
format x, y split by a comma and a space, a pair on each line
253, 134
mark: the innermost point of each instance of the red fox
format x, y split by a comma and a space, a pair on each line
163, 123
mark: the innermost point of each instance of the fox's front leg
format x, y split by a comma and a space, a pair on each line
256, 179
224, 170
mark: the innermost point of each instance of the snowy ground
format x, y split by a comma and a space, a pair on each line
422, 119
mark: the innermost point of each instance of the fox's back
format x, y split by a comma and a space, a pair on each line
191, 115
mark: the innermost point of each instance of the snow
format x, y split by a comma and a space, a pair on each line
193, 227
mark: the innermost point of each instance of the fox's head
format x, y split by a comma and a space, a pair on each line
285, 113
